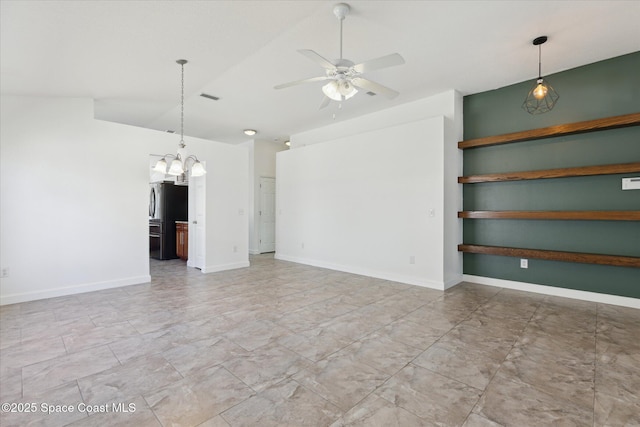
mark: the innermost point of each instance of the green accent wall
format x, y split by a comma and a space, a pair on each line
603, 89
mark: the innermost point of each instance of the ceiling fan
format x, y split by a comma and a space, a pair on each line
344, 76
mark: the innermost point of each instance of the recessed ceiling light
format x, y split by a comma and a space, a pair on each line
287, 143
250, 132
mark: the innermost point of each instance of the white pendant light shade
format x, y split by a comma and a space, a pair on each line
161, 166
197, 169
346, 89
176, 167
331, 90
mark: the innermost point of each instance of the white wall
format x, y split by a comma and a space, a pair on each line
227, 224
356, 196
74, 199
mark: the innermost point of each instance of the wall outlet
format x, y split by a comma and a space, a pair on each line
524, 263
5, 272
432, 213
302, 245
412, 259
235, 249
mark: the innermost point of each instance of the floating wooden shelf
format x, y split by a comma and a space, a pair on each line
553, 131
552, 173
619, 261
577, 215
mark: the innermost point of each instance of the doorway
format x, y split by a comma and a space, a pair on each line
194, 216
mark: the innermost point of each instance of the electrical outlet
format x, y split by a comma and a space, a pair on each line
524, 263
302, 245
235, 249
5, 272
412, 259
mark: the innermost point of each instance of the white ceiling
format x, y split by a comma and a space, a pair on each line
123, 53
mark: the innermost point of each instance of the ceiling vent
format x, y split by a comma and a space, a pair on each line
206, 95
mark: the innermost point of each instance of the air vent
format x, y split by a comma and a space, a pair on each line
206, 95
170, 131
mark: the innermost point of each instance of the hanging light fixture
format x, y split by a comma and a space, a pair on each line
542, 97
180, 160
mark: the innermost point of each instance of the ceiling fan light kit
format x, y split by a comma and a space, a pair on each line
345, 77
542, 97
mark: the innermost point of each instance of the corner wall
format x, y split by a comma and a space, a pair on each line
368, 195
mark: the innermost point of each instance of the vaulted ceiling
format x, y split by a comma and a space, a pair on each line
122, 54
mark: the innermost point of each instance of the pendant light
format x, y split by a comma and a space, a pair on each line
180, 160
542, 97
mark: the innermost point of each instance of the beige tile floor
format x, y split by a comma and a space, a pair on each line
286, 344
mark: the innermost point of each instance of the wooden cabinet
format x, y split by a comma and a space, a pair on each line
182, 240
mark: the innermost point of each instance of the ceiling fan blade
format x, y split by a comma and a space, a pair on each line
374, 87
378, 63
325, 101
298, 82
320, 60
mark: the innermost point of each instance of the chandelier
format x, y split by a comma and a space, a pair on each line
179, 164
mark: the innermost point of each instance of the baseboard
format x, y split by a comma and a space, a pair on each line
409, 280
451, 283
224, 267
552, 290
72, 290
254, 252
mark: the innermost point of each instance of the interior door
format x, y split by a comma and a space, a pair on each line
197, 210
267, 212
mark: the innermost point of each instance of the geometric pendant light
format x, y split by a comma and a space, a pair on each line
542, 97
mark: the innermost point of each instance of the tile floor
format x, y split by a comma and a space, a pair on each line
286, 344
